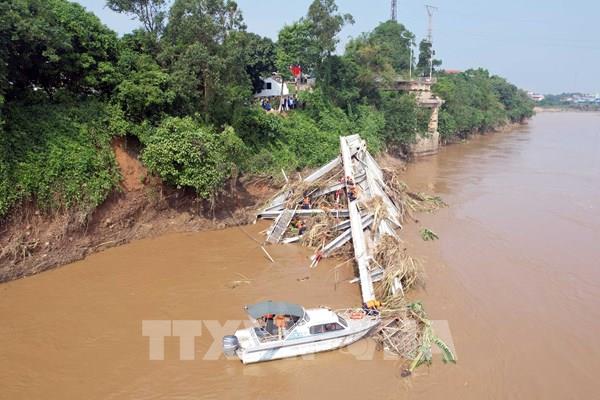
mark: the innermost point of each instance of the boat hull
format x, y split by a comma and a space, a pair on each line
292, 350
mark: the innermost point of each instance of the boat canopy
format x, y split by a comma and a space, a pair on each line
274, 307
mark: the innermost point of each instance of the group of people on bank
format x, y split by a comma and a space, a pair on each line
288, 103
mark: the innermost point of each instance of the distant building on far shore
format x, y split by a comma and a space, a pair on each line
452, 71
535, 96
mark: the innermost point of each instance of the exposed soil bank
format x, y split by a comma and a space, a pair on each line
31, 242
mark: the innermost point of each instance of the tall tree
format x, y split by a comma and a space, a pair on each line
339, 81
382, 54
151, 13
295, 45
259, 57
54, 44
203, 49
325, 24
426, 62
312, 39
207, 22
394, 42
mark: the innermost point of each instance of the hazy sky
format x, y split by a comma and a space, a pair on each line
549, 46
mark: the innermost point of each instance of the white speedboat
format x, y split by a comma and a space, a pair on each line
288, 330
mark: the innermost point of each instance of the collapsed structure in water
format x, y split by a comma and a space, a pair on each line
351, 206
345, 201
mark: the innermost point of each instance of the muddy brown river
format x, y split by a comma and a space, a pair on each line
515, 276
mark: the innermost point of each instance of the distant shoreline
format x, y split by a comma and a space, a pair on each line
540, 109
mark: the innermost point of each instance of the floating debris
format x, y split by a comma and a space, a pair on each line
236, 283
427, 234
410, 335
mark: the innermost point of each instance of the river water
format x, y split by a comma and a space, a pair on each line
515, 277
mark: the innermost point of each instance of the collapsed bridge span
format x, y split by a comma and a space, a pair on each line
351, 190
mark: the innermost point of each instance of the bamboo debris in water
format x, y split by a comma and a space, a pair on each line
399, 333
408, 201
409, 334
320, 229
402, 272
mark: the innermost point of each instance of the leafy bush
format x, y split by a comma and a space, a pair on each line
305, 137
7, 189
187, 154
256, 127
57, 155
370, 124
401, 118
310, 142
299, 143
144, 93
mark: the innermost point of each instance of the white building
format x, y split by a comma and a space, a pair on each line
271, 88
535, 96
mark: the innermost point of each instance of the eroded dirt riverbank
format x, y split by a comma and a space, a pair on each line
142, 207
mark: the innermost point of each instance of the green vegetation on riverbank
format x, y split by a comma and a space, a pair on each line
183, 88
571, 101
476, 101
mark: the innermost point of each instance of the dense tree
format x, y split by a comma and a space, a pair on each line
60, 155
385, 51
312, 39
145, 91
516, 103
207, 22
204, 53
259, 57
295, 45
339, 81
476, 101
374, 66
426, 64
151, 13
325, 24
380, 56
404, 119
54, 44
393, 41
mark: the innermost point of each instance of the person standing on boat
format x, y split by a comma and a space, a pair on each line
269, 325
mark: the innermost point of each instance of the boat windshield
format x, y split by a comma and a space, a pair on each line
343, 321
